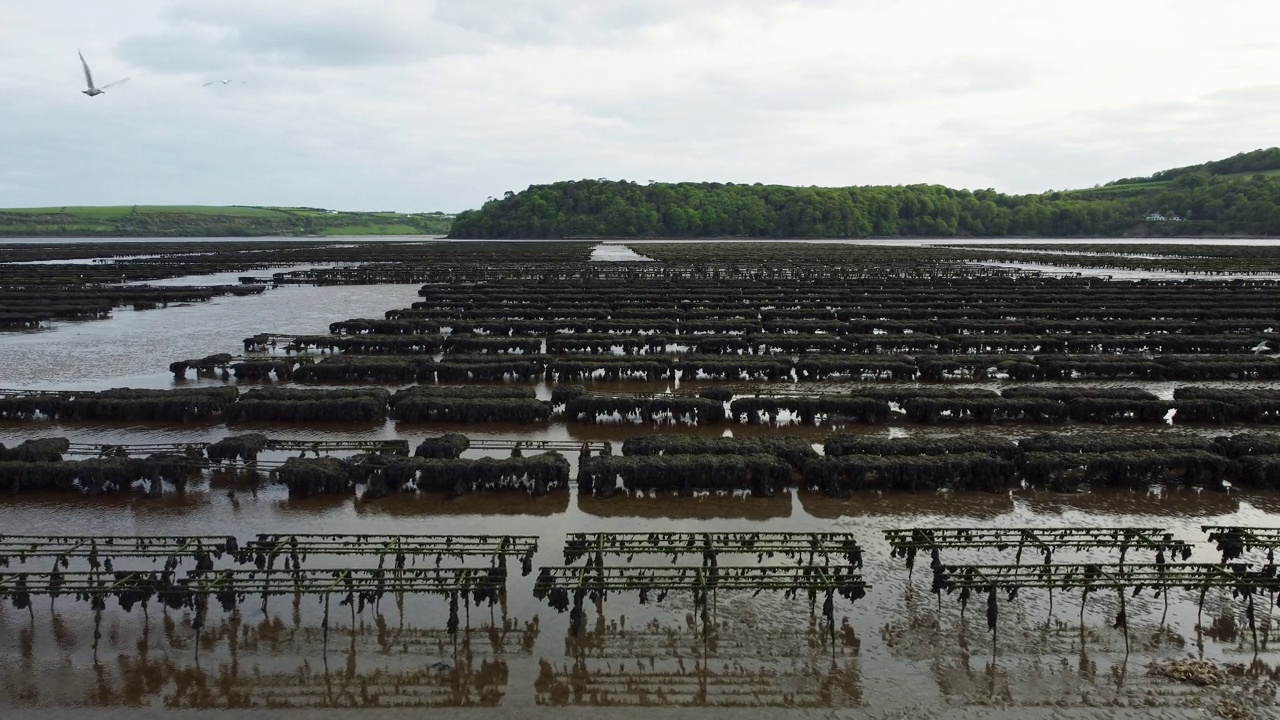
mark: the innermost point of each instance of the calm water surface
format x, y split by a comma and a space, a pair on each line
134, 348
899, 652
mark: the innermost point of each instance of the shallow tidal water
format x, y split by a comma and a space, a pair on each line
898, 652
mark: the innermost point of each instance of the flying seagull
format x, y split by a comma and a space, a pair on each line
1260, 347
88, 77
222, 82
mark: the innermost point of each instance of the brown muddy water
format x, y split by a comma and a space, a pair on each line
898, 652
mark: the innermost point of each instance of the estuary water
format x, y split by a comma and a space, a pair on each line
899, 652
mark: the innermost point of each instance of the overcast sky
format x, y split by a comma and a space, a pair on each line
417, 105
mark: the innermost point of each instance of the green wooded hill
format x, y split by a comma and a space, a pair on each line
211, 221
1236, 196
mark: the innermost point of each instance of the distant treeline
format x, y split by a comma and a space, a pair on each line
212, 221
1202, 202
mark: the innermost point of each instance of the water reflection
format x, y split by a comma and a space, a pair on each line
720, 664
758, 652
958, 506
474, 504
706, 506
1170, 502
271, 664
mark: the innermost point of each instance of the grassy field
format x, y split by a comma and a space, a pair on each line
19, 229
119, 211
1251, 174
1115, 191
1126, 189
211, 220
372, 229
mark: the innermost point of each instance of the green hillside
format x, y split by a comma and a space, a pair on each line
1245, 164
211, 221
1236, 196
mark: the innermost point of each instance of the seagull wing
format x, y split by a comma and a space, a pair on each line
112, 84
88, 77
211, 82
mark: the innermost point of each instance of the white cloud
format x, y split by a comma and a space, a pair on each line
324, 34
422, 106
